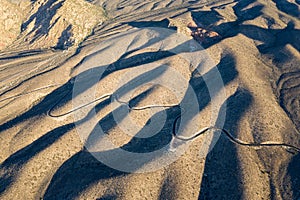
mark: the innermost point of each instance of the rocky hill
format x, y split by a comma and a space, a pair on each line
44, 24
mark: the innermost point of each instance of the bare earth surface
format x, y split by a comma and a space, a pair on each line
47, 146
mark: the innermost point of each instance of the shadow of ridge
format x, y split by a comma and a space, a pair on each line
111, 120
226, 68
83, 170
44, 141
90, 78
122, 63
42, 107
49, 69
221, 178
142, 24
137, 145
292, 181
12, 165
76, 175
21, 54
15, 161
288, 7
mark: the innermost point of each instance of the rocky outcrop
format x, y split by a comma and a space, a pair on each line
12, 15
48, 23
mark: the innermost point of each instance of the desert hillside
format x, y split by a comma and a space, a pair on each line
160, 99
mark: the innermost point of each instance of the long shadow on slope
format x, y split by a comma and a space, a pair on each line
21, 54
100, 72
83, 170
291, 182
221, 178
144, 24
198, 84
41, 108
62, 59
87, 168
288, 7
76, 175
65, 91
12, 164
273, 45
66, 181
60, 96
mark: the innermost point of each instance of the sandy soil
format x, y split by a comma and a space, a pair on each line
61, 80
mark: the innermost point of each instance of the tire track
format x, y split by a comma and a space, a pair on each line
175, 123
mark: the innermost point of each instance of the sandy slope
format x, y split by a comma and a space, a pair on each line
257, 56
